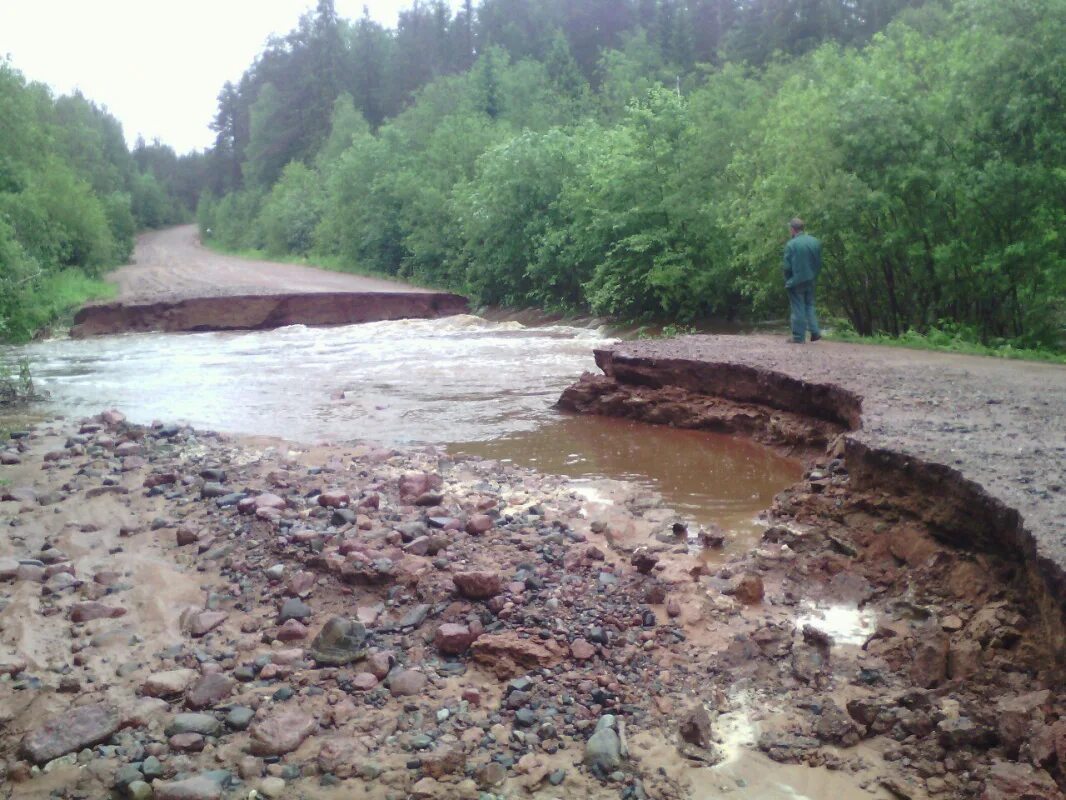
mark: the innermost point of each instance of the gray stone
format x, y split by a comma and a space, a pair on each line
69, 732
204, 724
240, 717
604, 750
294, 608
339, 642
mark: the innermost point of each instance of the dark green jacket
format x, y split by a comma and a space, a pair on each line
803, 260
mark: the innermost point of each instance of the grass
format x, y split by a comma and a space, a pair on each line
54, 299
953, 340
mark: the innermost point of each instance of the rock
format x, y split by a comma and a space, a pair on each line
477, 585
292, 631
212, 489
199, 787
787, 748
203, 724
364, 682
294, 608
209, 691
201, 622
414, 485
492, 774
958, 732
90, 610
69, 732
184, 536
379, 664
1010, 781
269, 500
582, 650
929, 665
186, 742
1014, 715
452, 639
479, 524
836, 727
508, 655
695, 727
272, 787
168, 684
603, 751
644, 560
340, 642
748, 589
281, 732
417, 547
139, 790
334, 499
407, 682
240, 717
339, 756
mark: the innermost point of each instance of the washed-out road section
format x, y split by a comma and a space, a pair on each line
176, 284
974, 446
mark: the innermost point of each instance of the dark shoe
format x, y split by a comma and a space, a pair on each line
815, 337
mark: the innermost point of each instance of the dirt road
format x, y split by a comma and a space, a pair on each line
172, 264
176, 284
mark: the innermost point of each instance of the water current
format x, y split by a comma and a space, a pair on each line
479, 386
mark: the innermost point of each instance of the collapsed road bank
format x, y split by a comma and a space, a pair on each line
973, 447
186, 615
176, 284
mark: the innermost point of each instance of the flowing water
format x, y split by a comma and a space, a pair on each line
482, 387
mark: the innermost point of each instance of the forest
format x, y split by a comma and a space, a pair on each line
640, 159
72, 197
636, 159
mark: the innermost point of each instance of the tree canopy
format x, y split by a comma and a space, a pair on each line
640, 159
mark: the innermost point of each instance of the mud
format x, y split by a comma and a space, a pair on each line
849, 654
262, 312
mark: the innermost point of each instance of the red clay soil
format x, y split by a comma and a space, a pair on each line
176, 284
977, 446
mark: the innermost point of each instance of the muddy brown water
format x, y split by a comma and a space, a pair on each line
481, 386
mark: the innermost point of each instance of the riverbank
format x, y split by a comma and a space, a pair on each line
974, 447
169, 599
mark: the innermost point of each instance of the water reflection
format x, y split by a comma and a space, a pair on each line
708, 477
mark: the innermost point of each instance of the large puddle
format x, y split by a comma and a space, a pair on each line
482, 387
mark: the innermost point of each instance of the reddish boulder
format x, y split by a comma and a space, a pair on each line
69, 732
416, 484
452, 639
479, 524
281, 732
334, 499
209, 691
1009, 781
90, 610
478, 585
508, 655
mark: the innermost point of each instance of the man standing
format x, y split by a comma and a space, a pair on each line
803, 262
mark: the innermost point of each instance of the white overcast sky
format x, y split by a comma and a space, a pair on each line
157, 66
